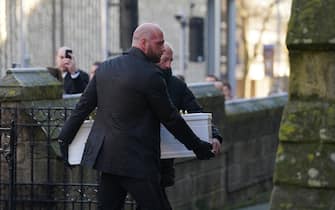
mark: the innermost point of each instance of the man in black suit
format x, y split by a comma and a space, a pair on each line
124, 143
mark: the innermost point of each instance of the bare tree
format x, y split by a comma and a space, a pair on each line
249, 9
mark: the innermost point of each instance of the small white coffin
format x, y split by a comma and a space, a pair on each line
200, 123
76, 148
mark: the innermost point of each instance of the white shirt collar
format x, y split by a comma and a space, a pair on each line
73, 76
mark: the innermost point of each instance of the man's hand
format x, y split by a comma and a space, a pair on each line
70, 65
216, 146
204, 151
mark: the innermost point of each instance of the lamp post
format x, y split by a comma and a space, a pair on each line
231, 45
183, 21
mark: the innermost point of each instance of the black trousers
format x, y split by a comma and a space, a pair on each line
147, 192
166, 202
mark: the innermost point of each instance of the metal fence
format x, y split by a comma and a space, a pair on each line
32, 175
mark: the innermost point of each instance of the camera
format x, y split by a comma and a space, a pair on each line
68, 54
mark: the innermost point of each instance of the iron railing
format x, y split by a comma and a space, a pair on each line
32, 174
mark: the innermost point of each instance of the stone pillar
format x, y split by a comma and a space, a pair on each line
29, 84
304, 176
20, 90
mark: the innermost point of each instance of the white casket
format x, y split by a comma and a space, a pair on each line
200, 123
76, 148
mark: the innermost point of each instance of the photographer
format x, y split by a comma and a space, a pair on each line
75, 80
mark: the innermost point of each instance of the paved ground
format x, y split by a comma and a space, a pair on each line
264, 206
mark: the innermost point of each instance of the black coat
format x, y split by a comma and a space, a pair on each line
183, 98
77, 85
131, 99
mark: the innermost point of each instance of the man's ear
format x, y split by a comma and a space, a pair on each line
143, 43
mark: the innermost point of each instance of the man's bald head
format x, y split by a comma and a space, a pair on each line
145, 31
149, 38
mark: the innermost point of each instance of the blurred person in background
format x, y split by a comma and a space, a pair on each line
226, 90
75, 80
213, 79
93, 69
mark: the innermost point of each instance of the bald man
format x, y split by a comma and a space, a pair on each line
124, 142
75, 80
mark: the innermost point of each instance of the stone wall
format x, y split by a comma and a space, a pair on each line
242, 174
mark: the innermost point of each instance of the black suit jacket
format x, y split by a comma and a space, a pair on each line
183, 98
131, 99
